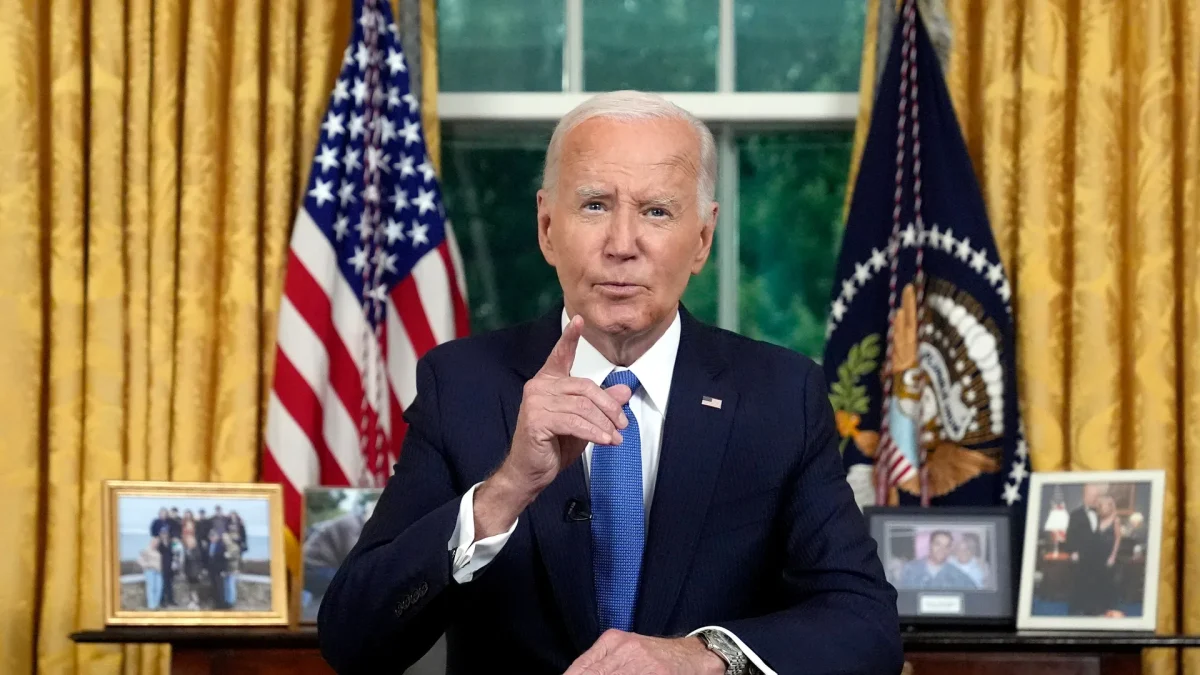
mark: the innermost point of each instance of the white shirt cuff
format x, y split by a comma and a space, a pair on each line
470, 556
758, 663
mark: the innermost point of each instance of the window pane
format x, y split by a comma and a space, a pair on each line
791, 187
653, 45
491, 182
799, 46
484, 45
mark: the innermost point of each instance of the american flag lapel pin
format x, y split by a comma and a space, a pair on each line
711, 402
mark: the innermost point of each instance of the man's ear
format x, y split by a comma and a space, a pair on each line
543, 226
707, 229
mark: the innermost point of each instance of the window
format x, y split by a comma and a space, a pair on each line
775, 81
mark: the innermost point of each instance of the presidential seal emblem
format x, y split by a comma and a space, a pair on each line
947, 391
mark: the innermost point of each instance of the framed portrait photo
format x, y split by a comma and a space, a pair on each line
949, 565
1091, 552
194, 554
333, 519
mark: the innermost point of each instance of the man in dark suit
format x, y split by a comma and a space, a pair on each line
1088, 554
176, 523
216, 565
617, 487
220, 521
203, 525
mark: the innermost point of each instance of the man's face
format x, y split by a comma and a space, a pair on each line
1091, 494
962, 551
622, 227
939, 547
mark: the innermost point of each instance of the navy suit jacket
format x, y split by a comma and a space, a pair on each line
753, 526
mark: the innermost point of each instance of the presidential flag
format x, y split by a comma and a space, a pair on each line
920, 348
373, 279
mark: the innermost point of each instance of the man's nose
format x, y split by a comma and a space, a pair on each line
622, 234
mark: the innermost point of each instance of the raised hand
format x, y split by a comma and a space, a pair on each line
559, 416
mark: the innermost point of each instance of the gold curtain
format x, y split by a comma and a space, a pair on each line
154, 156
1082, 118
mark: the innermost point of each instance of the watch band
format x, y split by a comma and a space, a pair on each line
736, 662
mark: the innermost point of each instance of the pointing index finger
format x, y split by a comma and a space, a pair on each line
562, 356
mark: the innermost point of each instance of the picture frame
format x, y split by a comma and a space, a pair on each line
157, 572
333, 518
1098, 571
949, 565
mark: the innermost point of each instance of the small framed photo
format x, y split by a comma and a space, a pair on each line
333, 520
949, 565
194, 554
1091, 553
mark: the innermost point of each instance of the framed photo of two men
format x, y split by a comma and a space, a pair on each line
1091, 553
949, 565
193, 554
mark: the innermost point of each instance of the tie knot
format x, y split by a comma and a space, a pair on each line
625, 377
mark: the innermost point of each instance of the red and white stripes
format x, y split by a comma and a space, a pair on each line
891, 466
325, 345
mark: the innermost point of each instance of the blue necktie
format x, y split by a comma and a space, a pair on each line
618, 518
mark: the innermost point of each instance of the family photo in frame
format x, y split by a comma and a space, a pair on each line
1093, 541
948, 565
194, 554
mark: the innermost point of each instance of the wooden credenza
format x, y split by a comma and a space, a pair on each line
253, 651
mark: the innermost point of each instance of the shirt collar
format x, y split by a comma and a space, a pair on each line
654, 369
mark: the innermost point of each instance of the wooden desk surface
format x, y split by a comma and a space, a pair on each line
915, 640
284, 651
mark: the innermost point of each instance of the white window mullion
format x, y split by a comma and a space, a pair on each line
793, 109
728, 249
573, 46
728, 254
726, 49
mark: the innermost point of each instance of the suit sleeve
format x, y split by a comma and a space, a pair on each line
840, 611
390, 599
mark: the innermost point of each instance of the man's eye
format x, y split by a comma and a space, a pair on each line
658, 213
593, 206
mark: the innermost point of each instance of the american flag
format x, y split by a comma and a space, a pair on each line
373, 281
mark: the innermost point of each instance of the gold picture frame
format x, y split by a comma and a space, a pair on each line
202, 582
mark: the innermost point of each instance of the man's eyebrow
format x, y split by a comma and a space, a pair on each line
668, 202
591, 192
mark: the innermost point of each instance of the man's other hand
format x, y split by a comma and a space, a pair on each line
621, 653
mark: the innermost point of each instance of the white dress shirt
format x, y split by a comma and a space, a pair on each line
654, 371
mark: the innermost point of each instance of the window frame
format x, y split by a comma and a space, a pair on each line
727, 111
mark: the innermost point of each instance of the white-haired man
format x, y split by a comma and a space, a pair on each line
617, 487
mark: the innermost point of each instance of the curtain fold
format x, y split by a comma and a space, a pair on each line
157, 151
1082, 118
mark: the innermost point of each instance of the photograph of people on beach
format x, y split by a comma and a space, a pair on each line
194, 553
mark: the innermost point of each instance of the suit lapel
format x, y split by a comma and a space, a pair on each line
694, 441
565, 545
